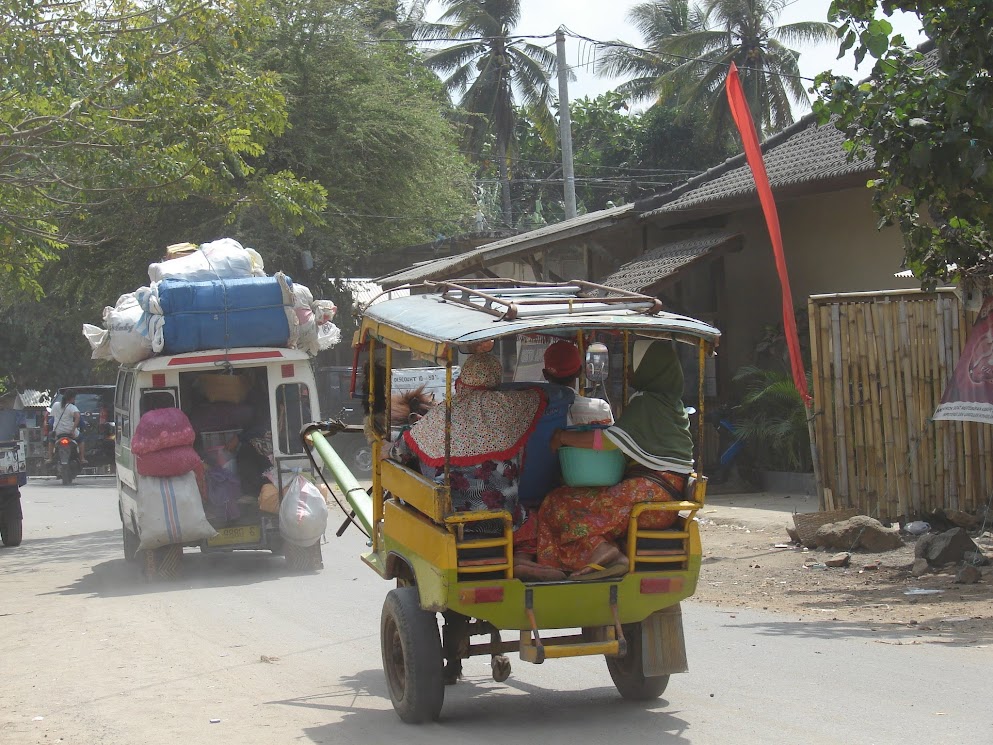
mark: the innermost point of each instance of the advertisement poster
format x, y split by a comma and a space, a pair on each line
531, 358
969, 394
414, 390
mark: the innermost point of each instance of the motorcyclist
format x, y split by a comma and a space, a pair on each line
66, 418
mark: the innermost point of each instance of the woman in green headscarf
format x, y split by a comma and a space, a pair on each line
577, 526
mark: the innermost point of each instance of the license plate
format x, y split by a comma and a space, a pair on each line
232, 536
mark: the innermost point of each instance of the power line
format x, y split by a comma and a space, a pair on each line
649, 171
596, 42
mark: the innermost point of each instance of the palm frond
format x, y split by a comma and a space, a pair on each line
805, 32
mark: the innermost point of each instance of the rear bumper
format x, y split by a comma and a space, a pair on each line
560, 605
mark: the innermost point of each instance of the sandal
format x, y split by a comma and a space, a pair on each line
601, 572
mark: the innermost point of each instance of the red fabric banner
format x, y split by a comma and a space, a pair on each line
753, 153
968, 396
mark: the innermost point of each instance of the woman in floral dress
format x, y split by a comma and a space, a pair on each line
489, 430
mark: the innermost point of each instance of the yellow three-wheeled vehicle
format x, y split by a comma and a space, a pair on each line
442, 566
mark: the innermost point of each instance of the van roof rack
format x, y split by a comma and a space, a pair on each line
512, 299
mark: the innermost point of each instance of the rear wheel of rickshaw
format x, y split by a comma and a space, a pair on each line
412, 657
628, 674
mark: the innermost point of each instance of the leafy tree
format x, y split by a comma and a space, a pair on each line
488, 71
619, 156
722, 32
925, 121
365, 120
150, 97
366, 123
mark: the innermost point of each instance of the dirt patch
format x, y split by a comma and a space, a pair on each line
744, 568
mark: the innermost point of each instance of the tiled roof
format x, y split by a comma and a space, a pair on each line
655, 265
803, 153
451, 266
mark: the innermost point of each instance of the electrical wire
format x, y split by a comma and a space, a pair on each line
595, 42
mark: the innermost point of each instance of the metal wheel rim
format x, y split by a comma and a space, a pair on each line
395, 667
363, 459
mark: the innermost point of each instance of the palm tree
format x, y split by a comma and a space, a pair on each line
484, 70
655, 21
743, 32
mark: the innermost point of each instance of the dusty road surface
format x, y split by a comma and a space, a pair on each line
93, 654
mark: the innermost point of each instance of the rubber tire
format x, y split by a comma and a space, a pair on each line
131, 542
362, 461
11, 530
626, 671
65, 471
412, 657
303, 558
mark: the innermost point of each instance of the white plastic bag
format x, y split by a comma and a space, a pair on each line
152, 322
127, 344
303, 514
324, 311
221, 259
170, 511
99, 340
328, 335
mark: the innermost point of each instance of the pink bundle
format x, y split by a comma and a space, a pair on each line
169, 462
162, 444
161, 429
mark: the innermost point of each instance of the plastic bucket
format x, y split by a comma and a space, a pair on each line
585, 467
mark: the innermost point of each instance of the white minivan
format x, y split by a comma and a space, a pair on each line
248, 407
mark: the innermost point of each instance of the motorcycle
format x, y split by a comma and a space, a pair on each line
67, 458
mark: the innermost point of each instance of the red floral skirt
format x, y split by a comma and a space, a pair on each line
574, 521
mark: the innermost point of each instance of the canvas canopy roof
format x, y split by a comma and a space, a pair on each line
453, 314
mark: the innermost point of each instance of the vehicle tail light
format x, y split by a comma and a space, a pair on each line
158, 380
287, 370
64, 441
481, 595
657, 585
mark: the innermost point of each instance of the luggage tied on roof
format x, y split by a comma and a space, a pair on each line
215, 297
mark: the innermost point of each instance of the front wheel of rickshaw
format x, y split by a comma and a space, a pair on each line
628, 674
412, 657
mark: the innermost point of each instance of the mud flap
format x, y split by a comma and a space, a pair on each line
163, 563
663, 646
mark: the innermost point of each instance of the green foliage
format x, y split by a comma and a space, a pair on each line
926, 122
365, 121
619, 157
689, 49
773, 419
491, 74
107, 99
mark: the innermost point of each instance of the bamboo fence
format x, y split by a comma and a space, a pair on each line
880, 363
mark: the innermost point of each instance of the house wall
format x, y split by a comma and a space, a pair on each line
831, 244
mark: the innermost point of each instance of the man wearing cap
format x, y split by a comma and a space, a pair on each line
562, 366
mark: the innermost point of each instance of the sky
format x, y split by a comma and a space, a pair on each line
606, 20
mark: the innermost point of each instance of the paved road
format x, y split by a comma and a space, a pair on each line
93, 654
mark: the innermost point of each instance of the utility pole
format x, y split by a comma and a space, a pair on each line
565, 127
